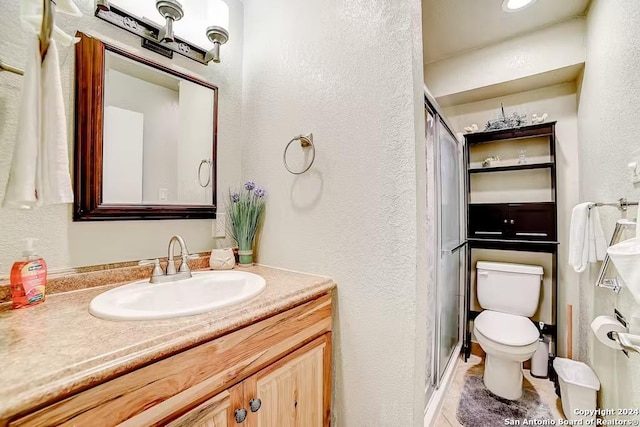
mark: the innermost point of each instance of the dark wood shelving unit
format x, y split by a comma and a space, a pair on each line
532, 131
526, 166
513, 226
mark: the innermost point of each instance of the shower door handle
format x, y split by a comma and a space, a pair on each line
454, 249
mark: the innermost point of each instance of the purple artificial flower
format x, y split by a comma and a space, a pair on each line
235, 197
249, 185
260, 192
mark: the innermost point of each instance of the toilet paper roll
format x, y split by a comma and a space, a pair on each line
601, 327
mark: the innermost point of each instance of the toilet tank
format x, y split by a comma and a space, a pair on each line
509, 288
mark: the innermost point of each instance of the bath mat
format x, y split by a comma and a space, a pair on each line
478, 407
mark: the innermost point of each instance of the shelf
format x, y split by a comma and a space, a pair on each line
549, 202
532, 131
525, 166
514, 245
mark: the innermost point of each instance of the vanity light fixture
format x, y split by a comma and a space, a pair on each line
186, 27
102, 5
516, 5
217, 33
171, 11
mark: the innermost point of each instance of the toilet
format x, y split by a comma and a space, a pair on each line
509, 295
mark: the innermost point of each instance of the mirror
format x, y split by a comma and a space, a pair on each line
145, 138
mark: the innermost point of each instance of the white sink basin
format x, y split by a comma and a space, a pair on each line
205, 291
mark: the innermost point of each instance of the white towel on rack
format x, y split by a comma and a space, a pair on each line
40, 165
21, 187
55, 181
586, 239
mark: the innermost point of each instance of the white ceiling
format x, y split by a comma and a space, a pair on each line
450, 27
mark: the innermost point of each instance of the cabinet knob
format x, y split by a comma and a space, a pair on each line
505, 221
240, 414
513, 221
255, 404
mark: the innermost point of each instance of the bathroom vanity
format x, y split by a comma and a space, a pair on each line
264, 362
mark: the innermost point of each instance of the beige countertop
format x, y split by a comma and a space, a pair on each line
57, 348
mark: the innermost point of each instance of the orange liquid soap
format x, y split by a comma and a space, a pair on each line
28, 279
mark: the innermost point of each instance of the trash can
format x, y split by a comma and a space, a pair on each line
578, 388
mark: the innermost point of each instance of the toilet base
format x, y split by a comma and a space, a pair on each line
503, 377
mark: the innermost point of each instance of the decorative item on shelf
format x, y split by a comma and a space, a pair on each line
222, 259
471, 129
491, 161
522, 157
535, 119
197, 24
245, 209
514, 121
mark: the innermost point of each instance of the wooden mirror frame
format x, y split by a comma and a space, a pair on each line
89, 119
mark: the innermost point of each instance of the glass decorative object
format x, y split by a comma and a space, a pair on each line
522, 157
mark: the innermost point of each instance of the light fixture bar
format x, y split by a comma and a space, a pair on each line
149, 31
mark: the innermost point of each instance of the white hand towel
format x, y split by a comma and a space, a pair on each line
586, 239
40, 165
55, 181
21, 187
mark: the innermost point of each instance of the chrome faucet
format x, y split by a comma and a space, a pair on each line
171, 275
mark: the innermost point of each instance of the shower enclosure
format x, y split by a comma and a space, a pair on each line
446, 238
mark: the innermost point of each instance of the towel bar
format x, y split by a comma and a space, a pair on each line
9, 68
622, 204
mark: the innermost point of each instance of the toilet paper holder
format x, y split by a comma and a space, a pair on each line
629, 342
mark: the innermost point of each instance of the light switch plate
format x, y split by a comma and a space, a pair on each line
219, 227
634, 174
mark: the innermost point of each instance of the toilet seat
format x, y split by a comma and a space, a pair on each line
506, 329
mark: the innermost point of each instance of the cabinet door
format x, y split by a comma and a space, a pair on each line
219, 411
293, 392
532, 221
488, 221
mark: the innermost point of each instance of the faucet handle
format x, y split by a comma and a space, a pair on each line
184, 265
157, 269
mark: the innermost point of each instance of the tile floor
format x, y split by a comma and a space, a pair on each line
475, 365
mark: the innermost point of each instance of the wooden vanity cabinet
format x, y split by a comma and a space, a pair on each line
275, 372
215, 412
292, 392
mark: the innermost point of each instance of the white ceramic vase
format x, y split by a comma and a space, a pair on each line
222, 259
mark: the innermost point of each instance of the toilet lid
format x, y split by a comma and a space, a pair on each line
507, 329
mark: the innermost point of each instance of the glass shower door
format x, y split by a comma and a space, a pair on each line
451, 244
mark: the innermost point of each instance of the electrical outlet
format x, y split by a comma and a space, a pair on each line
219, 227
163, 194
634, 167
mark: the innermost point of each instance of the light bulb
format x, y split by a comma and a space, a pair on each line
514, 5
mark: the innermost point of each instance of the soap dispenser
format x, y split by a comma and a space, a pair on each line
28, 278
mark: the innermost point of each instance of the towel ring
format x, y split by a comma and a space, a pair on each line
305, 141
203, 162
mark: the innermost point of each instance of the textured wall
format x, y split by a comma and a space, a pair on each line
64, 243
607, 129
560, 103
351, 73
